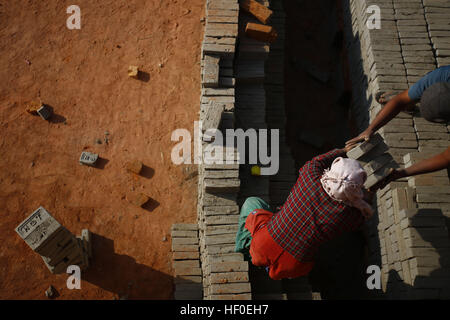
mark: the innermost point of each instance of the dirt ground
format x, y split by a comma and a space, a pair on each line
82, 75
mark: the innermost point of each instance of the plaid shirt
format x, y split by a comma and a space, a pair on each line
310, 217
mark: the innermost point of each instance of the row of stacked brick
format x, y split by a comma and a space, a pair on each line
225, 273
414, 243
186, 262
391, 59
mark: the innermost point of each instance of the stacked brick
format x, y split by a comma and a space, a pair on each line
374, 157
225, 273
436, 15
58, 247
186, 262
409, 245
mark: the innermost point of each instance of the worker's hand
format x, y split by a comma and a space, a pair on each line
349, 147
364, 136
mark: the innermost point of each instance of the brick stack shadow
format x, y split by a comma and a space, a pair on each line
122, 274
431, 279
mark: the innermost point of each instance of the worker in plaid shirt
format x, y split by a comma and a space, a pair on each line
322, 205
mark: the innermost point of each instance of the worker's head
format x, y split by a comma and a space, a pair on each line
435, 103
344, 182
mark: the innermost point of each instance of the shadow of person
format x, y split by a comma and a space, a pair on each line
123, 276
429, 270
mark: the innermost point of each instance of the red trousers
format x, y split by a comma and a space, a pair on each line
265, 252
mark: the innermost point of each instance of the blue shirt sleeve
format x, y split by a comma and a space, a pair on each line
441, 74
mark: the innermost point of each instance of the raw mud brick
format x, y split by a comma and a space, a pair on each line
221, 30
427, 180
184, 234
432, 198
229, 257
63, 252
134, 166
219, 49
261, 32
211, 71
133, 71
379, 175
423, 222
187, 279
420, 243
222, 5
44, 112
222, 199
184, 247
183, 241
137, 199
218, 19
228, 277
261, 12
184, 227
221, 229
227, 288
186, 264
435, 262
219, 249
228, 266
377, 151
377, 163
221, 220
364, 147
222, 185
428, 234
185, 255
221, 174
416, 213
213, 116
88, 158
38, 228
187, 271
32, 222
221, 210
54, 241
220, 239
33, 107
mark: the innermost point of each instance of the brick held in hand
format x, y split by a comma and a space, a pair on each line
261, 12
261, 32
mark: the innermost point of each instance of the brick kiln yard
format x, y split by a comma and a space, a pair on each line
82, 75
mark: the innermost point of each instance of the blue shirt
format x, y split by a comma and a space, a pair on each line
441, 74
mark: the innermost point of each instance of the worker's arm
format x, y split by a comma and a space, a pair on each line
392, 109
436, 163
325, 161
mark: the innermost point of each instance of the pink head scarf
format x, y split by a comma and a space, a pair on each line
344, 182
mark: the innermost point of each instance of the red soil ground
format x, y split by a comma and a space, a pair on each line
82, 75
